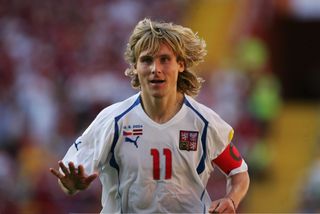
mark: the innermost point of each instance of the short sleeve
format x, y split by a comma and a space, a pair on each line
93, 146
219, 136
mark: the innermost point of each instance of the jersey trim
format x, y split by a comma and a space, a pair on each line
201, 165
204, 204
113, 161
242, 168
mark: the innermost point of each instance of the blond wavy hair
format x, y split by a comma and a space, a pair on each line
187, 46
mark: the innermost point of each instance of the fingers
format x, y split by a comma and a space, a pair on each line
72, 168
80, 170
68, 171
81, 173
213, 207
72, 171
56, 173
64, 168
221, 206
91, 178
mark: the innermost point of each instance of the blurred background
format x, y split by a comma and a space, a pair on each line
61, 62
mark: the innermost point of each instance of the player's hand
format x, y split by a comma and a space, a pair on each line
223, 205
72, 178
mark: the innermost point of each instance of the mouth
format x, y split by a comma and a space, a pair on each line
156, 81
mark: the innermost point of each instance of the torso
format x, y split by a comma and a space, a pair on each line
149, 167
158, 161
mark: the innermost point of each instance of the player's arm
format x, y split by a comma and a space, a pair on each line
90, 149
72, 179
233, 165
237, 187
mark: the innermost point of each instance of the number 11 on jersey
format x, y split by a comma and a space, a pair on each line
156, 163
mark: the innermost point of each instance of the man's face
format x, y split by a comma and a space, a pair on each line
158, 73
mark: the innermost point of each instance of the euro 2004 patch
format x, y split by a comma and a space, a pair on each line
188, 140
130, 130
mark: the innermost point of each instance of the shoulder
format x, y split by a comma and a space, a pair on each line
210, 117
119, 108
107, 116
200, 109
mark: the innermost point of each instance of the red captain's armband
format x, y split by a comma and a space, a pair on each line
229, 159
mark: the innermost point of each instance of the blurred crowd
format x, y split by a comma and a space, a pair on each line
61, 62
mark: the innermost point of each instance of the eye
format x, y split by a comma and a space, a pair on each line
146, 59
164, 59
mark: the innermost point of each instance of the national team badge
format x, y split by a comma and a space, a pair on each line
188, 140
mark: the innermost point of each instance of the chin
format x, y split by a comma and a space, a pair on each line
157, 95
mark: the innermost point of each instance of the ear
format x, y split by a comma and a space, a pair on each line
181, 66
133, 67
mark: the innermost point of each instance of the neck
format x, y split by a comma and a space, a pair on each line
162, 109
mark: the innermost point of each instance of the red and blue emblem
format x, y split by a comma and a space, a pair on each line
188, 140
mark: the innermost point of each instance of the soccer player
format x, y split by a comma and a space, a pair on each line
155, 151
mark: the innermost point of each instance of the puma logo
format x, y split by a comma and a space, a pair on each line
76, 145
129, 140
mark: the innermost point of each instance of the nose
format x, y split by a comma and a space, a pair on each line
155, 67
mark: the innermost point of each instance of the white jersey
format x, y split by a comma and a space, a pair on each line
146, 167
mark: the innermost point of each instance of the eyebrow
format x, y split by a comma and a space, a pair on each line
165, 55
157, 56
145, 57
